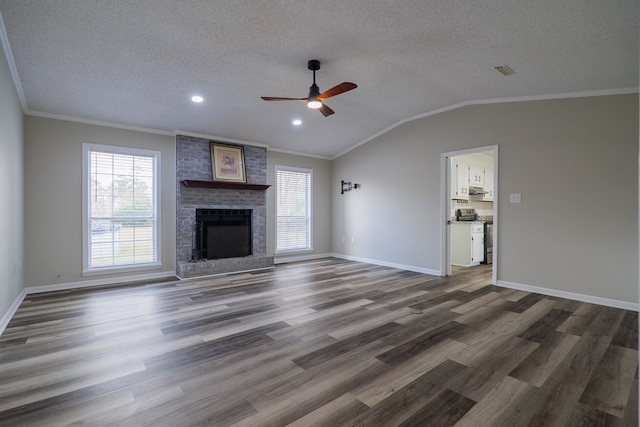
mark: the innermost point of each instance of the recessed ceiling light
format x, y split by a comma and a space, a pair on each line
197, 99
296, 122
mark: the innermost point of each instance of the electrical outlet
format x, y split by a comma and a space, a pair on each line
353, 240
515, 198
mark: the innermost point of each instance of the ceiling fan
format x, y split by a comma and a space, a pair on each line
315, 98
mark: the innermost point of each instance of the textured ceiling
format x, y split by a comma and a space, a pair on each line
137, 62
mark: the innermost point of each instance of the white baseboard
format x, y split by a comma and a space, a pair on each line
98, 282
390, 264
625, 305
4, 321
571, 295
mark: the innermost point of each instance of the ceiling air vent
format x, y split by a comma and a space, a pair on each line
505, 70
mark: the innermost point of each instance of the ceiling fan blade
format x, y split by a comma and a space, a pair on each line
326, 111
275, 98
337, 90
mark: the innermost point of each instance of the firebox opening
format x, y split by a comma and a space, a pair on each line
223, 233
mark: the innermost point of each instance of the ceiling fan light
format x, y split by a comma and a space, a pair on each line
314, 103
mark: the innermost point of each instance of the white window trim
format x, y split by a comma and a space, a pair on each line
310, 248
86, 149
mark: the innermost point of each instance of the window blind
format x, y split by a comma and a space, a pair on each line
293, 216
122, 226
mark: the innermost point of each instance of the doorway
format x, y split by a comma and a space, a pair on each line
469, 185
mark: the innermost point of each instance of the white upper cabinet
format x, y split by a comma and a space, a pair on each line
472, 170
488, 185
459, 180
476, 176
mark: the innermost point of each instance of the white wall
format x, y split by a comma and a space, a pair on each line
11, 191
53, 197
321, 203
563, 156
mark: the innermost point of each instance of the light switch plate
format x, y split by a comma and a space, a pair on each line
515, 198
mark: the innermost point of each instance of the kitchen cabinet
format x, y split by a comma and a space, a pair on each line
467, 243
459, 180
488, 185
476, 176
477, 244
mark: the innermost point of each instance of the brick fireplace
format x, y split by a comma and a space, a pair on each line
193, 162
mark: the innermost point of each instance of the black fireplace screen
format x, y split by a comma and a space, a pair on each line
222, 233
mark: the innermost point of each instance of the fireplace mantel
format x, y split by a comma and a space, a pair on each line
223, 184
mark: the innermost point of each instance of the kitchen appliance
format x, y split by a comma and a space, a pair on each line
466, 215
476, 191
488, 242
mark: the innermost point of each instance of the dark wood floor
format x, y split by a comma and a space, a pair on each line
327, 342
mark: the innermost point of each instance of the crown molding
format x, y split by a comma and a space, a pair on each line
4, 40
220, 138
567, 95
96, 122
299, 153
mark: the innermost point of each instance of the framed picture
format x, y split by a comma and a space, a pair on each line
227, 162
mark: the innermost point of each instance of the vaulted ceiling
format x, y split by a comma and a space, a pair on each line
138, 62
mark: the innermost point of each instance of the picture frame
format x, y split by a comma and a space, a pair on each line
227, 162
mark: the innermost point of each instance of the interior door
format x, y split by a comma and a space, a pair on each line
448, 206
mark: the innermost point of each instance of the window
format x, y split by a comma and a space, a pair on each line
293, 209
120, 205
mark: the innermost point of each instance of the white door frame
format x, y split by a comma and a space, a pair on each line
445, 208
